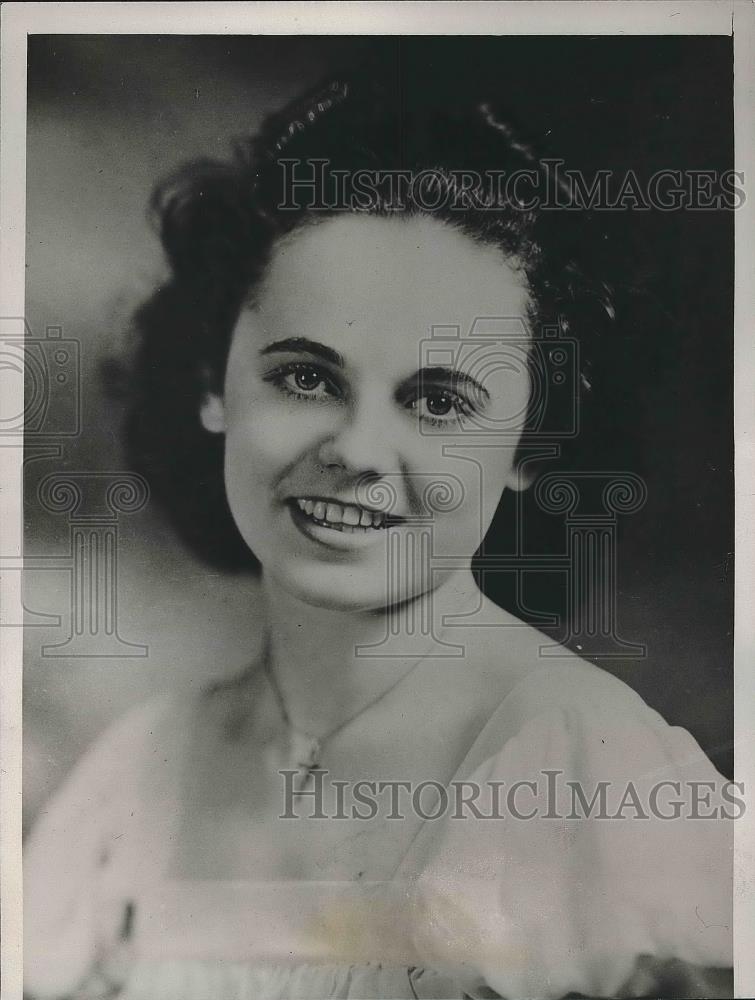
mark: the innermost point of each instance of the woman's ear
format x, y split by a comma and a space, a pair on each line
522, 476
212, 409
212, 413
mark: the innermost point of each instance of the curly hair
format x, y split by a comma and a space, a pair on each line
220, 222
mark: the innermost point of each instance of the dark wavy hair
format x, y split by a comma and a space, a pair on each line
219, 223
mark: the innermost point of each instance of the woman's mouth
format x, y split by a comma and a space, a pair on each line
347, 518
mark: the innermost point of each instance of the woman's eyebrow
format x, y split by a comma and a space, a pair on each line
307, 345
451, 375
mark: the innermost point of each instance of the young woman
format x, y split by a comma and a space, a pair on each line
400, 796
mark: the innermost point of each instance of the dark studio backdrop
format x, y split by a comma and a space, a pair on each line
109, 115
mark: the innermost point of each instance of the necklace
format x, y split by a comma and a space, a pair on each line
305, 749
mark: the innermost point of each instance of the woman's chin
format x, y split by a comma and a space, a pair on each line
336, 589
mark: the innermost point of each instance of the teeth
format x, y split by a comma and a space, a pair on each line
334, 513
351, 515
348, 517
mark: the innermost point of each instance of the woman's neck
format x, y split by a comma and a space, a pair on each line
323, 659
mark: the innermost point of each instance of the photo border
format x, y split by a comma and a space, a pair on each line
455, 17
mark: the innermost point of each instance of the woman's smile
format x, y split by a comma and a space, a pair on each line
344, 516
343, 525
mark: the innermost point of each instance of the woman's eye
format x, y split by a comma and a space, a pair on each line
307, 379
440, 408
439, 405
303, 381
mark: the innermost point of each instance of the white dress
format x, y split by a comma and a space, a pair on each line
484, 904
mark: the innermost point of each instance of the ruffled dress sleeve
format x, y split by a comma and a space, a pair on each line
596, 859
95, 829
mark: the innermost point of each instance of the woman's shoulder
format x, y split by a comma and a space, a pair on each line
549, 703
141, 733
529, 671
132, 761
579, 839
159, 724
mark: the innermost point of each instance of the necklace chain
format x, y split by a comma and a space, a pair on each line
307, 749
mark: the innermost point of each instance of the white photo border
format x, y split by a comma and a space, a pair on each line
453, 17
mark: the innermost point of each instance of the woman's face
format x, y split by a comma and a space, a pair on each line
366, 447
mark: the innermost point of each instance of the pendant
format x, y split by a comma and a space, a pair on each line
305, 751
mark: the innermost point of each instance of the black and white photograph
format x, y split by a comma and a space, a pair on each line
376, 493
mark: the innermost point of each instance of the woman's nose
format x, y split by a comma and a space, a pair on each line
363, 441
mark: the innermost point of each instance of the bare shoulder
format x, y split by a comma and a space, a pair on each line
155, 735
507, 658
149, 731
150, 721
166, 715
